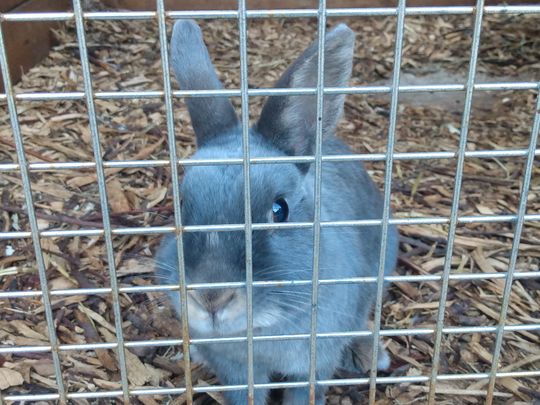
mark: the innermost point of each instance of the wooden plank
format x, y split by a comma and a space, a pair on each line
29, 42
8, 5
284, 4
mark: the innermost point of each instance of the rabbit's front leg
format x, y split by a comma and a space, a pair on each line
300, 396
356, 356
233, 373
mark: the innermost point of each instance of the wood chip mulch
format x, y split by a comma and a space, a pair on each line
124, 56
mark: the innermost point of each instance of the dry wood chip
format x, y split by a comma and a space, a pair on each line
481, 352
136, 81
117, 197
125, 54
484, 210
477, 242
27, 332
67, 117
174, 367
148, 400
156, 197
44, 367
448, 390
519, 364
20, 340
136, 266
408, 290
216, 396
156, 375
63, 302
486, 310
145, 153
427, 305
60, 283
97, 318
86, 369
106, 384
6, 261
53, 190
513, 385
10, 378
69, 153
25, 368
80, 402
138, 374
47, 382
92, 336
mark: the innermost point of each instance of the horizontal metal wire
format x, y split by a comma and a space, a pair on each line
368, 157
266, 284
277, 385
155, 94
278, 13
271, 338
267, 226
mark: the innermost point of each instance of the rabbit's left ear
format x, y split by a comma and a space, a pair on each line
210, 116
290, 122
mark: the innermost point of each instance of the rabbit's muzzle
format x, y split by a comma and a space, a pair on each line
216, 311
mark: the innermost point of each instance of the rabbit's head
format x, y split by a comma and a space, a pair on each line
214, 194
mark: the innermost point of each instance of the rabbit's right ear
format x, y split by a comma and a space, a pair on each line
193, 69
290, 121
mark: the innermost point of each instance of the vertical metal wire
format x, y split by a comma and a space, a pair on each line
321, 16
469, 91
389, 163
242, 25
171, 135
100, 172
32, 219
515, 249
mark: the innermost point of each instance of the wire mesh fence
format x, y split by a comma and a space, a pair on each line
175, 161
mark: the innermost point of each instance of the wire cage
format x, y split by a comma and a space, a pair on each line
50, 298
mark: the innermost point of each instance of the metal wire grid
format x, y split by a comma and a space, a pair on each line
388, 167
469, 91
321, 29
104, 203
176, 197
248, 231
242, 15
53, 339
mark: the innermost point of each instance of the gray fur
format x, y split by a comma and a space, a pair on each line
290, 121
193, 69
214, 195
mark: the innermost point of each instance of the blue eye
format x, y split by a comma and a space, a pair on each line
280, 210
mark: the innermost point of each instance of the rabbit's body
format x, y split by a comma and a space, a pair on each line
214, 195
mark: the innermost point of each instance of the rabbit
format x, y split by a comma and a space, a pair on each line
281, 192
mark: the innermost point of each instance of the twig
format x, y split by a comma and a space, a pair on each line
54, 217
97, 216
28, 152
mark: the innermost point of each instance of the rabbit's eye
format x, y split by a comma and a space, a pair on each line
280, 210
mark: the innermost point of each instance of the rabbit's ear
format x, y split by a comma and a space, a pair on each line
290, 122
193, 69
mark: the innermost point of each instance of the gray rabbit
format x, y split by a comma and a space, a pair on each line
279, 193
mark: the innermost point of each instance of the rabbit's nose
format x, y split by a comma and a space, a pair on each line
214, 300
